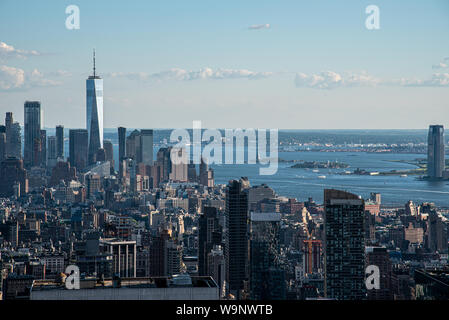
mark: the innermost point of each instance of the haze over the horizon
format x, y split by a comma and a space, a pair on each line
282, 64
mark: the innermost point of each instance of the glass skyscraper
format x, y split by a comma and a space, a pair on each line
146, 147
33, 126
94, 114
78, 148
60, 141
435, 152
266, 277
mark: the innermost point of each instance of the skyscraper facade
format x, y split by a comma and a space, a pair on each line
78, 141
14, 141
12, 175
435, 152
312, 256
60, 141
13, 137
133, 146
121, 148
52, 151
164, 160
236, 235
43, 149
179, 170
209, 235
2, 143
109, 150
379, 257
33, 126
344, 276
94, 114
266, 277
146, 147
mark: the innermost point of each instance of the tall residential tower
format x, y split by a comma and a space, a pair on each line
344, 276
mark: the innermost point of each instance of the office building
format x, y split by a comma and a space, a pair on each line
164, 160
179, 170
109, 151
43, 149
78, 142
13, 137
312, 261
2, 143
435, 152
60, 142
378, 256
437, 233
209, 236
259, 193
179, 287
33, 127
124, 256
146, 147
216, 265
121, 149
94, 114
266, 277
133, 146
13, 178
344, 222
93, 185
52, 151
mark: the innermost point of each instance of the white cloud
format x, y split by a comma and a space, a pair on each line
259, 26
11, 77
15, 78
8, 51
187, 75
437, 80
331, 80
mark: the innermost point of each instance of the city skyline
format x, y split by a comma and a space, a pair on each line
396, 77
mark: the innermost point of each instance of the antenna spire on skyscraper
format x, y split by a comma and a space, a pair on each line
94, 62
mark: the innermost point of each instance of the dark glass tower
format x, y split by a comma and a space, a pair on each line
344, 246
267, 278
78, 148
60, 141
146, 146
121, 148
435, 152
33, 126
237, 235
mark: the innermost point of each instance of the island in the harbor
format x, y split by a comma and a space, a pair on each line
319, 165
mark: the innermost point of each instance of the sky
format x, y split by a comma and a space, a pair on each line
230, 64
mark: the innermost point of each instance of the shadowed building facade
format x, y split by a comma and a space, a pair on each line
236, 235
344, 246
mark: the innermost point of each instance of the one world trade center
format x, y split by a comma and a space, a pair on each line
94, 114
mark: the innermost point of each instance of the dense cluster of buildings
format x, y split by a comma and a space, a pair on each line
155, 229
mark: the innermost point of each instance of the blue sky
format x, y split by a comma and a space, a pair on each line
166, 63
